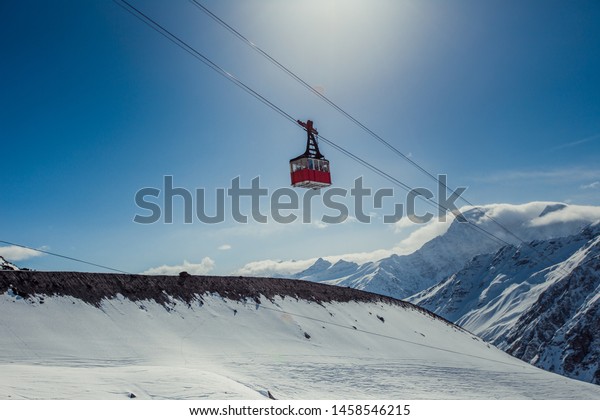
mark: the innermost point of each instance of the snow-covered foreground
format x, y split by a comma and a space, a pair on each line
61, 347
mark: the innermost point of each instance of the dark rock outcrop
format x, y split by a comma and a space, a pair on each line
93, 288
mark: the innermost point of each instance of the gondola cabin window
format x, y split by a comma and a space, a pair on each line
310, 173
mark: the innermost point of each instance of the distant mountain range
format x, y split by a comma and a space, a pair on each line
401, 276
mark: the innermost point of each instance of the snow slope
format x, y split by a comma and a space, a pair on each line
7, 265
401, 276
540, 302
83, 335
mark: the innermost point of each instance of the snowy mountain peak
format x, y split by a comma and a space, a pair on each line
317, 267
552, 208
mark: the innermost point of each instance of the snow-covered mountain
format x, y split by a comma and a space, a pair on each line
7, 265
538, 301
403, 275
85, 335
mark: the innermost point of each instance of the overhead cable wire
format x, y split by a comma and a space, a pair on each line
408, 188
54, 254
372, 133
349, 116
188, 48
194, 52
198, 55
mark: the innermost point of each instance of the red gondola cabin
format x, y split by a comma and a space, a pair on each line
310, 169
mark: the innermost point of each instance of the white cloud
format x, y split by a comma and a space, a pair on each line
203, 267
224, 247
402, 224
405, 222
17, 253
319, 224
559, 219
363, 257
266, 268
571, 213
422, 235
592, 186
513, 214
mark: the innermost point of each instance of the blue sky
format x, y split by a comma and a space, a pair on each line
503, 96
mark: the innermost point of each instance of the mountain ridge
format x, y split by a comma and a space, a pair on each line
544, 310
402, 276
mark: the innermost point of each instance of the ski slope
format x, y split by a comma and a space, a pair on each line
360, 346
